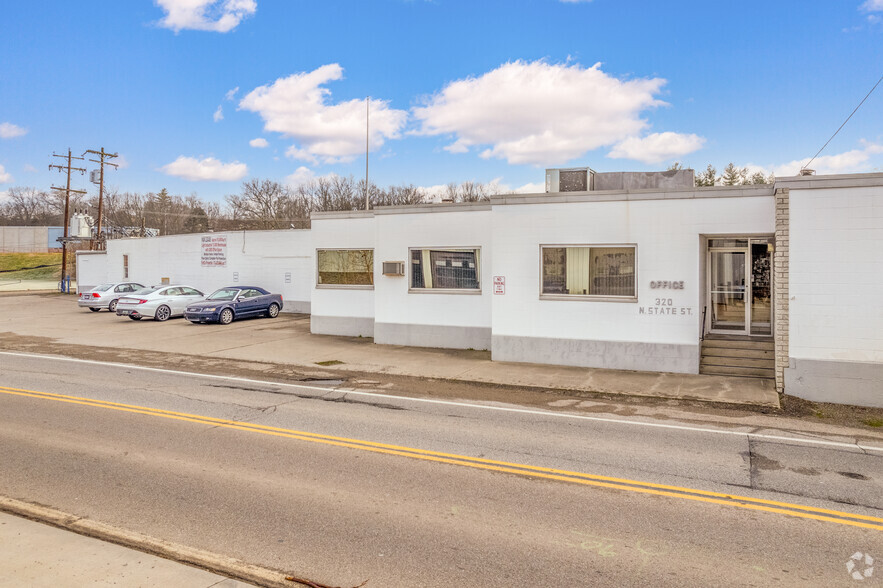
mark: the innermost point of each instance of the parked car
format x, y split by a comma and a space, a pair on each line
160, 303
106, 295
234, 302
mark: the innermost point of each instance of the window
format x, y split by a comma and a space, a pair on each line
447, 269
589, 271
345, 267
125, 266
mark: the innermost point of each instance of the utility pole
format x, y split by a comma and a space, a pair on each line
67, 201
367, 148
101, 154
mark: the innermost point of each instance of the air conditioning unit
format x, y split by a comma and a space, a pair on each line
574, 179
393, 268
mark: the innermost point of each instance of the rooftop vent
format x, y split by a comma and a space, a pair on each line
807, 172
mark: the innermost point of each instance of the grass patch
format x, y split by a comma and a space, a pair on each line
30, 266
329, 362
873, 422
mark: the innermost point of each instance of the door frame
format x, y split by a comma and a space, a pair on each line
749, 285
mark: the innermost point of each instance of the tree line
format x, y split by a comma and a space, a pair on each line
260, 204
265, 204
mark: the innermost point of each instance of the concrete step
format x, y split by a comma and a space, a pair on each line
737, 362
721, 370
737, 352
764, 344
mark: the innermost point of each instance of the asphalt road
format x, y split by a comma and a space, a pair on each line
342, 487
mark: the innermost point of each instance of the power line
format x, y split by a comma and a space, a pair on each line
101, 154
67, 198
844, 124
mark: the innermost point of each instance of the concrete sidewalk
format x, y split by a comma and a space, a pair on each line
287, 340
37, 555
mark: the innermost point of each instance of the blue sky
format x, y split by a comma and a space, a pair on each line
198, 95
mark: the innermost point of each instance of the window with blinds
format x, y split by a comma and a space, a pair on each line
589, 271
445, 269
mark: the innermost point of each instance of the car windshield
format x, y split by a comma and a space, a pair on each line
103, 287
223, 294
145, 290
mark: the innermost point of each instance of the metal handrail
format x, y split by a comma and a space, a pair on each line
702, 326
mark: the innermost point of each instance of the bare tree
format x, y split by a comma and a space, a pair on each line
28, 207
261, 205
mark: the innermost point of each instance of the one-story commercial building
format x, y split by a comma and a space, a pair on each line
622, 271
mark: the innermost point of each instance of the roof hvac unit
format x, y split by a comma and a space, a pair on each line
95, 176
393, 268
573, 179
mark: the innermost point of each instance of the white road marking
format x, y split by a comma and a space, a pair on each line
543, 413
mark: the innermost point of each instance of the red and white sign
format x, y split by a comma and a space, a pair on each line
214, 250
499, 284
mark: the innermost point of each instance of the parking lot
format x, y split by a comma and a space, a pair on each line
46, 321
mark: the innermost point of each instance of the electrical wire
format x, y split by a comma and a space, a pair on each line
843, 125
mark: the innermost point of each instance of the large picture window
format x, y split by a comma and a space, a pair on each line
345, 267
589, 271
445, 269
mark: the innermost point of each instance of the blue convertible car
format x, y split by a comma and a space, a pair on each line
234, 302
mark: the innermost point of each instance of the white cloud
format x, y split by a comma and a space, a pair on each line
5, 177
872, 5
538, 112
10, 131
859, 160
29, 168
300, 177
231, 94
4, 196
209, 168
259, 143
531, 188
221, 16
219, 114
297, 107
656, 147
121, 161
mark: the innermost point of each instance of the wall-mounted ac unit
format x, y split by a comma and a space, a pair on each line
393, 268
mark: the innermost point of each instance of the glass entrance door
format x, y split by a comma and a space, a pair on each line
729, 313
761, 310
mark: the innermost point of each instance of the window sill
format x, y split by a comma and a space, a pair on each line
344, 287
586, 298
444, 291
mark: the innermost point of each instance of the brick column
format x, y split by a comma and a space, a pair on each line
780, 286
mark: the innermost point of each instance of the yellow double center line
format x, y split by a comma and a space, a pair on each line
796, 510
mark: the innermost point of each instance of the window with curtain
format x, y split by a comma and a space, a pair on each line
603, 271
445, 269
345, 267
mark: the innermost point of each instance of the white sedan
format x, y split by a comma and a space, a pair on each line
160, 303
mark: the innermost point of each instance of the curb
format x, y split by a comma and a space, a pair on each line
212, 562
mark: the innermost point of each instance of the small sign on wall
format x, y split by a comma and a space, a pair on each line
214, 250
499, 284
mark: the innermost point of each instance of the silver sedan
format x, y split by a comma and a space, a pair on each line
160, 303
106, 295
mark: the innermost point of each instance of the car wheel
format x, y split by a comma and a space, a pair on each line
273, 311
135, 318
112, 307
94, 309
163, 313
226, 316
